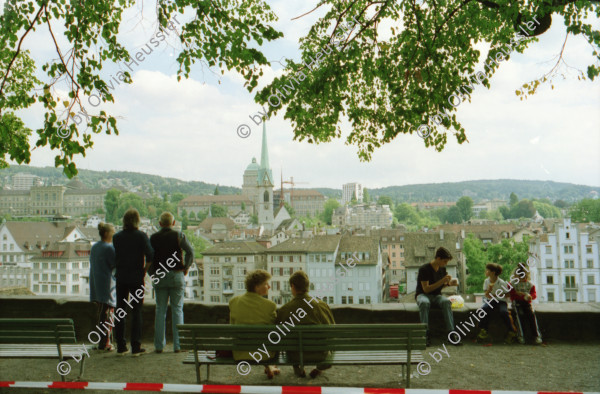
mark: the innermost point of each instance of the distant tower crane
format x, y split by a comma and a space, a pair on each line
291, 182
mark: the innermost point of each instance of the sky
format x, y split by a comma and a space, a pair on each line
187, 129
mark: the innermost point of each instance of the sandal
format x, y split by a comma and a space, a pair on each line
268, 372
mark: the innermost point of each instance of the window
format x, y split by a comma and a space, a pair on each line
53, 266
243, 259
343, 299
368, 299
215, 271
591, 295
590, 263
36, 288
228, 271
287, 271
568, 235
63, 277
44, 288
275, 285
53, 277
548, 249
12, 247
550, 280
215, 298
393, 254
228, 259
570, 282
75, 276
36, 276
330, 300
36, 266
291, 259
548, 263
569, 264
44, 276
590, 279
361, 300
568, 248
588, 248
75, 289
53, 289
241, 286
570, 296
550, 296
350, 300
241, 270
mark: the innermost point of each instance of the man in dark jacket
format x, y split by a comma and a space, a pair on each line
168, 276
131, 245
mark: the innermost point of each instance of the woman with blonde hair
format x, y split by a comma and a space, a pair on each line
253, 308
102, 281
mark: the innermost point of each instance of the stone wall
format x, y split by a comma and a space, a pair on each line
564, 321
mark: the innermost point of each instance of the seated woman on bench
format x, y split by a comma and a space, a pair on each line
253, 308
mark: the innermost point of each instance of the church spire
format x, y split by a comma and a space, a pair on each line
265, 169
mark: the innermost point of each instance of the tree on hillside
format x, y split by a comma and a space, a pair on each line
366, 196
546, 210
513, 199
192, 215
585, 211
560, 204
476, 259
385, 200
329, 207
465, 206
131, 200
216, 192
111, 204
289, 208
177, 197
387, 81
218, 211
454, 215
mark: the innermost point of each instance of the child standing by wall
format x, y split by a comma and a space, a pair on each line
522, 294
492, 284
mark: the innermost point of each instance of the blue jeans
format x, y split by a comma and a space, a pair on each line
172, 287
424, 302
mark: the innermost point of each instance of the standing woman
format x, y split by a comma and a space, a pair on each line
102, 282
253, 308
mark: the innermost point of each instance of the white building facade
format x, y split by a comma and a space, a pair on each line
350, 190
568, 269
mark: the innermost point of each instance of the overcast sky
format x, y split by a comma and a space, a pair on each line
187, 130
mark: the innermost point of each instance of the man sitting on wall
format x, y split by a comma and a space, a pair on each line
318, 312
431, 279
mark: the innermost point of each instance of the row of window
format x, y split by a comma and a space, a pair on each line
56, 289
570, 280
569, 248
54, 277
571, 296
62, 265
10, 258
569, 263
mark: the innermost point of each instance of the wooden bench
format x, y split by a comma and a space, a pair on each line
350, 344
40, 338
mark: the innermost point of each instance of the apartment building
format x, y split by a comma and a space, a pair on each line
62, 269
315, 256
225, 268
420, 248
363, 216
352, 190
568, 269
363, 283
392, 243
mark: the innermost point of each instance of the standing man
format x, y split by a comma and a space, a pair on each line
317, 312
430, 281
131, 246
168, 244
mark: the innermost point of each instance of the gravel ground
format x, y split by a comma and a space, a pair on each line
557, 366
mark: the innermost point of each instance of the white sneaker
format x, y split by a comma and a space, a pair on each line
538, 340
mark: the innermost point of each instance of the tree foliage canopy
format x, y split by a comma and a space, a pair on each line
385, 82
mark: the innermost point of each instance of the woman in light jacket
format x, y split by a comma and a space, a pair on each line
102, 282
253, 308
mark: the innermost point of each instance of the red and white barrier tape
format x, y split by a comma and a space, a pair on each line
231, 389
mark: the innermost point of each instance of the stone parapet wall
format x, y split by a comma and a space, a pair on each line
557, 321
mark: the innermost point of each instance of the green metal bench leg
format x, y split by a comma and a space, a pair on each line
81, 368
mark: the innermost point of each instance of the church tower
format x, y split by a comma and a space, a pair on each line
265, 185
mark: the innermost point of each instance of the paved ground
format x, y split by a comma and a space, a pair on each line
558, 366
